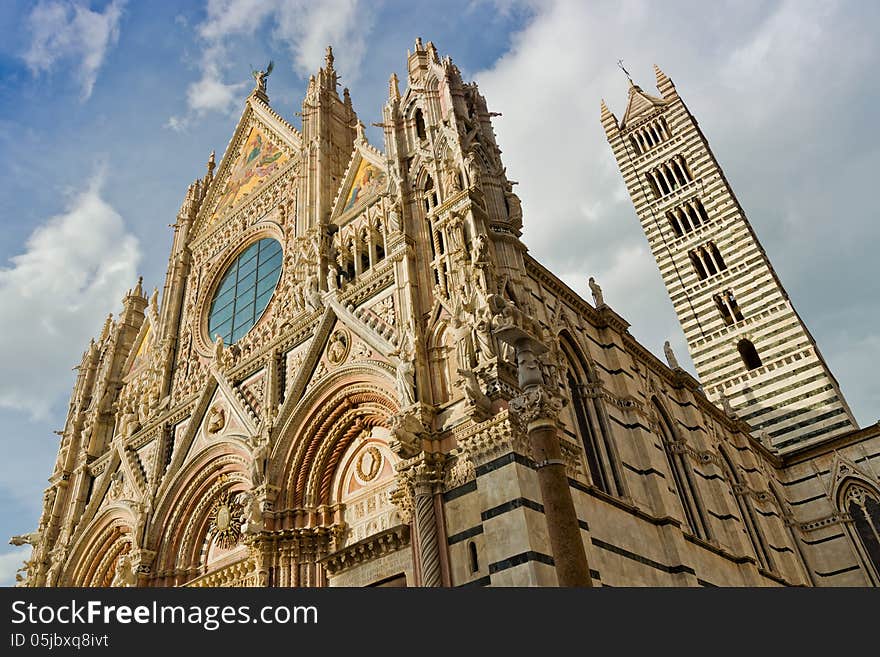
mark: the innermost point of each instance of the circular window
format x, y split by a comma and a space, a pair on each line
245, 290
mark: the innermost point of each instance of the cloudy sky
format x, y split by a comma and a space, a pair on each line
108, 110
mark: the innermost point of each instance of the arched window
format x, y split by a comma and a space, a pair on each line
588, 421
421, 133
749, 354
682, 477
863, 506
473, 557
747, 513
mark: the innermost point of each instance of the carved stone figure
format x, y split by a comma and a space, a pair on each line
32, 538
486, 345
450, 178
261, 76
332, 279
406, 431
259, 461
216, 420
670, 356
598, 299
124, 575
219, 355
252, 515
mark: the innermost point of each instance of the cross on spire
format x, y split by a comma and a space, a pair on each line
625, 72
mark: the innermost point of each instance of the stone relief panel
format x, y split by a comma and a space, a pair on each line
364, 483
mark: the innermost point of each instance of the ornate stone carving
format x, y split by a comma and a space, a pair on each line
536, 403
124, 575
216, 420
338, 347
225, 522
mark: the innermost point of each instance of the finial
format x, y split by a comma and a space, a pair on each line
211, 164
620, 64
105, 332
394, 87
328, 58
432, 51
139, 288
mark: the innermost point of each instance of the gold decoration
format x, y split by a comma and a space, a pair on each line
225, 526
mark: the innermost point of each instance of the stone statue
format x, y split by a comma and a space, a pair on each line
450, 178
484, 341
260, 77
670, 356
480, 249
406, 384
725, 404
514, 207
597, 292
124, 575
406, 430
312, 293
405, 369
216, 420
332, 279
252, 516
154, 305
218, 351
259, 460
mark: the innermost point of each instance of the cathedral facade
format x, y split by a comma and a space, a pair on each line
356, 375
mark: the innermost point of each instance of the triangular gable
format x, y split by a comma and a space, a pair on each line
364, 178
141, 348
640, 104
261, 147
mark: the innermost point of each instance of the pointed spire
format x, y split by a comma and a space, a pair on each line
664, 84
432, 52
108, 324
139, 288
606, 116
328, 58
393, 87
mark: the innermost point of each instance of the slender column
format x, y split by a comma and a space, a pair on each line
538, 409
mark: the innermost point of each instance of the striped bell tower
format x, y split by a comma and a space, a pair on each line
752, 351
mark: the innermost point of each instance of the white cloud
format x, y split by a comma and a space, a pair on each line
75, 269
303, 28
760, 81
67, 31
11, 561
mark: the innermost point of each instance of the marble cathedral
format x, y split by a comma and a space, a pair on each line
356, 375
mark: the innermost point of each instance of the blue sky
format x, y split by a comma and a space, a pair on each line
108, 110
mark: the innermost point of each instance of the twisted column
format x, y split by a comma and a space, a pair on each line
426, 530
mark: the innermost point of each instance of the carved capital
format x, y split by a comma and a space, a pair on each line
536, 404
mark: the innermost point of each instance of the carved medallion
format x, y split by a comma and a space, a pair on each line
337, 349
368, 464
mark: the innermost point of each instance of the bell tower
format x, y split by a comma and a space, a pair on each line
753, 353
